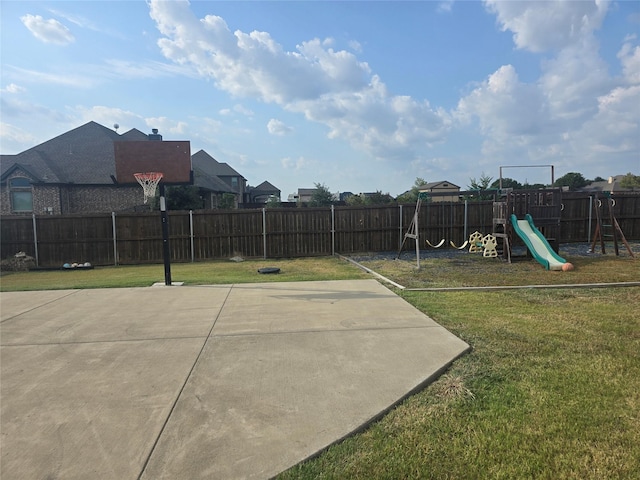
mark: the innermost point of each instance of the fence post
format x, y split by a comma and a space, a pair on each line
115, 243
264, 233
400, 236
35, 239
590, 213
191, 235
333, 230
466, 210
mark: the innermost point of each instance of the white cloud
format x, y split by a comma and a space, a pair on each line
242, 110
574, 79
505, 107
12, 135
124, 69
84, 22
327, 86
445, 6
68, 79
107, 116
167, 126
575, 111
356, 46
13, 88
630, 59
276, 127
539, 26
48, 31
296, 164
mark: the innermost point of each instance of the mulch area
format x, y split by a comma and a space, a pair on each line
566, 249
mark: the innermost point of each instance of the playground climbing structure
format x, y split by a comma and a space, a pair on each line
607, 226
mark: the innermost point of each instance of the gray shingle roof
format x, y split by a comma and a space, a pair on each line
209, 165
210, 182
83, 155
267, 187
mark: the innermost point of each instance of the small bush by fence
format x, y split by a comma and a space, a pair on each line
133, 238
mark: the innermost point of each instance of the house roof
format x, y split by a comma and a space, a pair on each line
611, 185
267, 187
83, 155
134, 134
202, 179
209, 165
440, 184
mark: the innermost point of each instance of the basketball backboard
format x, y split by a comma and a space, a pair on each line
171, 158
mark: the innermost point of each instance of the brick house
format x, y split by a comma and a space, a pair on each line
74, 173
71, 173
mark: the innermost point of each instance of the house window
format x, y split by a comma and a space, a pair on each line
21, 194
234, 182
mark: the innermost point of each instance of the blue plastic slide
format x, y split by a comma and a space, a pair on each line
538, 245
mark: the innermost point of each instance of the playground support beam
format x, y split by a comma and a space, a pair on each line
528, 166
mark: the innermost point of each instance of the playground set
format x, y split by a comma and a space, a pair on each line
530, 216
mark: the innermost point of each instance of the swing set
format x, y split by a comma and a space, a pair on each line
413, 230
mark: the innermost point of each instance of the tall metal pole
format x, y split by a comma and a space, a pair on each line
166, 251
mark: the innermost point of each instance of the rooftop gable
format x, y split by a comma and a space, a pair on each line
439, 184
266, 186
83, 155
134, 134
211, 166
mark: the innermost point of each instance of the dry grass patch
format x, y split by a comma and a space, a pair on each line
468, 270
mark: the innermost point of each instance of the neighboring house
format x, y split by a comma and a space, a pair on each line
442, 191
612, 185
214, 179
75, 173
303, 196
71, 173
262, 193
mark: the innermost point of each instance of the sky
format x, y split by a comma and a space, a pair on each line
359, 96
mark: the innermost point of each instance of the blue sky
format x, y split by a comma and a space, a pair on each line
359, 96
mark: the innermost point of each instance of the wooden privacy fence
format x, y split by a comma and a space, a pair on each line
133, 238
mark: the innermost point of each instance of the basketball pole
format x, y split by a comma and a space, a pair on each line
166, 252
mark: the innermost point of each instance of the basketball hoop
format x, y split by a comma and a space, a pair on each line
149, 182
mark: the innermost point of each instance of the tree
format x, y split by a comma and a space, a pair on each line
480, 186
630, 181
378, 198
573, 180
507, 183
273, 202
354, 200
412, 195
321, 197
180, 197
227, 202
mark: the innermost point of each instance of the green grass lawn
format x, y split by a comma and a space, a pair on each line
550, 390
201, 273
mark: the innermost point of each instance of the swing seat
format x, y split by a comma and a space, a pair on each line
462, 247
435, 246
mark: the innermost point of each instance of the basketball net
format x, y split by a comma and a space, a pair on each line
149, 182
